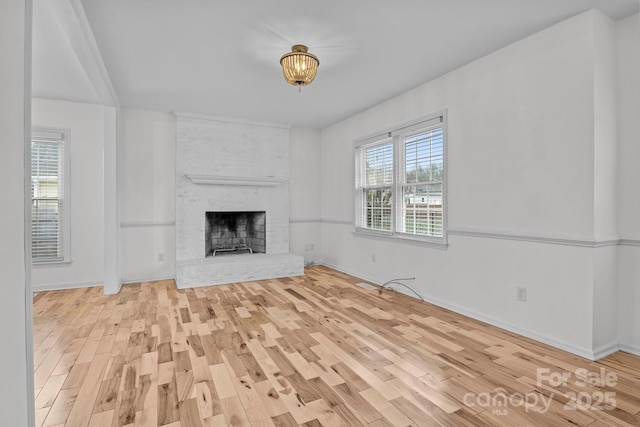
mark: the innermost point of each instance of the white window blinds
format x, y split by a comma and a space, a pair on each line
373, 205
379, 165
48, 198
423, 176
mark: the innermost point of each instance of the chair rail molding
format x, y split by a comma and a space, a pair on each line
262, 181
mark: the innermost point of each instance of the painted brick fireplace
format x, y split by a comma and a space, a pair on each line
223, 168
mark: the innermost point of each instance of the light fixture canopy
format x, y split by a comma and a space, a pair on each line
298, 66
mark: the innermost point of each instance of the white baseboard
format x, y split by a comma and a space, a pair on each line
116, 292
630, 348
605, 350
591, 354
130, 280
64, 286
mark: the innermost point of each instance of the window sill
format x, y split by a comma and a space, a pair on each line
402, 238
45, 264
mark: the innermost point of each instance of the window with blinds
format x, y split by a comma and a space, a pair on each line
400, 181
423, 178
377, 189
49, 203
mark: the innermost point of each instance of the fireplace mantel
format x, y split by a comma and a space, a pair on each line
263, 181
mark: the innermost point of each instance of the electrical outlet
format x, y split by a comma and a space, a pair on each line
521, 294
311, 246
161, 256
373, 257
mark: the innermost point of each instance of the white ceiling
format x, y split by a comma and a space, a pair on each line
221, 58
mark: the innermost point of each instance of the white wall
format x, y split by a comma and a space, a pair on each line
521, 164
112, 279
86, 142
629, 298
605, 184
304, 187
605, 129
628, 70
16, 404
146, 187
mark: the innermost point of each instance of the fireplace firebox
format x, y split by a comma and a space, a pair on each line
228, 233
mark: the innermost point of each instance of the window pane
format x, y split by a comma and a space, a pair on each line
424, 156
378, 208
422, 209
47, 200
378, 165
45, 229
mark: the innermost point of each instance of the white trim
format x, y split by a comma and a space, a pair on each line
304, 220
115, 290
263, 181
605, 350
465, 232
203, 118
580, 351
51, 264
111, 229
336, 221
28, 292
64, 286
130, 280
629, 242
319, 221
134, 224
556, 240
630, 348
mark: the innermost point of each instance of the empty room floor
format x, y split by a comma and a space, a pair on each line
311, 350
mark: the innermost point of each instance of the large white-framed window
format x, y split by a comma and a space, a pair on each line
50, 232
400, 182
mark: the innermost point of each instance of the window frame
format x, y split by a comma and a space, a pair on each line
396, 136
62, 135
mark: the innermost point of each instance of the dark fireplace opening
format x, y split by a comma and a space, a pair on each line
228, 233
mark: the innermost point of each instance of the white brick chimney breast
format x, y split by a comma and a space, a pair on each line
227, 166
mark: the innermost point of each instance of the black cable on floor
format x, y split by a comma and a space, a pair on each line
396, 282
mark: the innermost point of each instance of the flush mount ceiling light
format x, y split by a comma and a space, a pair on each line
298, 66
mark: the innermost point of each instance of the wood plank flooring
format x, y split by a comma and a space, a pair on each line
314, 350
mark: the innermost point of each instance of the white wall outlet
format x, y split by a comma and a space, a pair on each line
161, 256
311, 245
521, 293
373, 257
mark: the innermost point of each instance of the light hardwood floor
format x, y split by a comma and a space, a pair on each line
312, 350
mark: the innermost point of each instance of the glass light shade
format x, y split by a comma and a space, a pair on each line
298, 66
